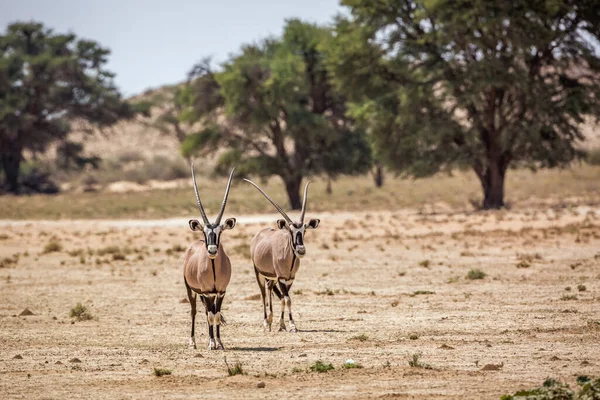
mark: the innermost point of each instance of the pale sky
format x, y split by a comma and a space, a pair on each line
156, 42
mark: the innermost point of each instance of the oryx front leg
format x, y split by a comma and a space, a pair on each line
219, 319
287, 301
281, 319
209, 305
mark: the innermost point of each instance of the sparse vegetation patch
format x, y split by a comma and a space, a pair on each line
161, 371
81, 313
320, 366
476, 274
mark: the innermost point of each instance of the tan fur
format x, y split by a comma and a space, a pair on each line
272, 254
198, 269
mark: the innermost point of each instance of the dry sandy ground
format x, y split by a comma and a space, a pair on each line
535, 315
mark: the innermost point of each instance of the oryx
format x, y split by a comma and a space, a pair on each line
207, 269
276, 255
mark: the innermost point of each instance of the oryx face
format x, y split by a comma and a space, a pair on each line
212, 234
297, 230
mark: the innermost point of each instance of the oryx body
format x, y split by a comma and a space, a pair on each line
207, 269
276, 255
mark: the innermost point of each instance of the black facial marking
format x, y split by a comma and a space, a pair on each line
212, 238
299, 239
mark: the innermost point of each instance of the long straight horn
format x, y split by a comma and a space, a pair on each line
304, 202
218, 220
288, 219
204, 217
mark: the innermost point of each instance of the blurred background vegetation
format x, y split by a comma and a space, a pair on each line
473, 97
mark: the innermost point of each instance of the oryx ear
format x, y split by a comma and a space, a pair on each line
229, 223
195, 225
281, 223
313, 223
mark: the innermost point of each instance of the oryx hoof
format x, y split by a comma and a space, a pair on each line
293, 329
266, 326
212, 345
220, 345
192, 343
282, 328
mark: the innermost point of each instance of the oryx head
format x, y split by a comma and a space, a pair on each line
296, 229
212, 232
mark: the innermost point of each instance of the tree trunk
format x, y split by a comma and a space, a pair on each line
10, 164
378, 175
292, 187
329, 189
492, 183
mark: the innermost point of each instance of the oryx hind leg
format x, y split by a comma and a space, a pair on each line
192, 299
269, 297
263, 295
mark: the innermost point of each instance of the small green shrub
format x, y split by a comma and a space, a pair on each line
108, 250
361, 337
567, 297
53, 246
161, 371
351, 364
80, 312
180, 249
76, 252
419, 292
9, 261
415, 362
237, 369
476, 274
319, 366
554, 390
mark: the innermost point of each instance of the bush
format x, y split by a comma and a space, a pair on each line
236, 369
593, 157
81, 313
319, 366
476, 274
161, 371
555, 390
53, 246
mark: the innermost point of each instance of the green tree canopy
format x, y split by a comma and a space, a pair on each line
484, 84
275, 111
47, 81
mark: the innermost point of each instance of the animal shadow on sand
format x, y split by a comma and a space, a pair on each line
255, 348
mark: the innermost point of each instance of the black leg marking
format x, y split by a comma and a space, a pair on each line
209, 305
219, 319
277, 292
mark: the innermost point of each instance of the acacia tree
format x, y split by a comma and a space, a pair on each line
478, 83
273, 108
47, 81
